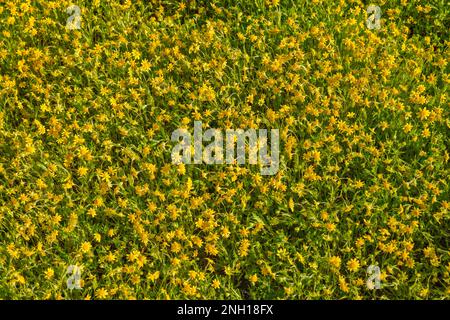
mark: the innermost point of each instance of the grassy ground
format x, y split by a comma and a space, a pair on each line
86, 177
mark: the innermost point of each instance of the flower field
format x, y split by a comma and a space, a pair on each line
92, 206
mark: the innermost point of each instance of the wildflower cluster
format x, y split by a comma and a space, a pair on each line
86, 177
